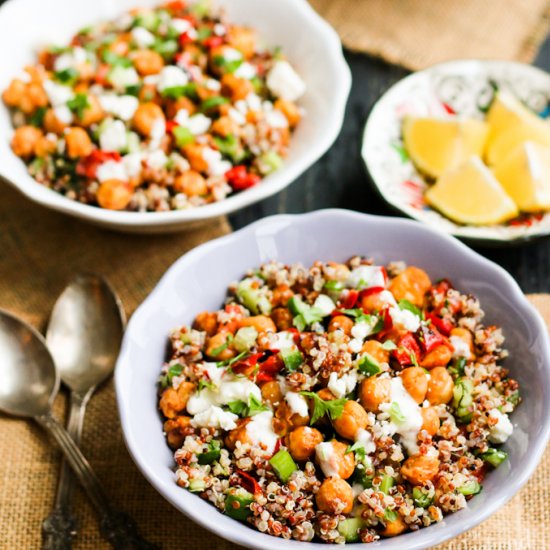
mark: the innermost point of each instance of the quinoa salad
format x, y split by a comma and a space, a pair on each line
161, 109
345, 402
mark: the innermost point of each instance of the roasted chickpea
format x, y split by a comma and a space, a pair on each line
411, 284
285, 420
326, 395
440, 386
271, 392
24, 141
333, 270
282, 318
430, 419
207, 322
342, 461
148, 93
290, 110
147, 62
415, 382
52, 124
466, 336
183, 102
224, 126
174, 401
261, 323
242, 39
375, 349
393, 528
335, 496
93, 113
281, 295
36, 95
78, 142
341, 322
373, 392
240, 433
236, 88
191, 183
121, 44
214, 345
373, 302
439, 356
353, 418
45, 146
146, 116
14, 93
114, 194
419, 469
302, 442
176, 430
193, 153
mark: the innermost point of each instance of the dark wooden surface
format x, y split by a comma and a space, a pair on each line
339, 179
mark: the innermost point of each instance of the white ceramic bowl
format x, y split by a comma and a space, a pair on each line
198, 281
310, 43
466, 87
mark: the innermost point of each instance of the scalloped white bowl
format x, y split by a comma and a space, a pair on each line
309, 42
198, 281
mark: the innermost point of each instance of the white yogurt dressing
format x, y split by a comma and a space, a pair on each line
260, 430
328, 459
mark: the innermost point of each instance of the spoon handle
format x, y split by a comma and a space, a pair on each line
60, 527
119, 529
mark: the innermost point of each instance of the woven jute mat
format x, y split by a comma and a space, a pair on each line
419, 33
39, 252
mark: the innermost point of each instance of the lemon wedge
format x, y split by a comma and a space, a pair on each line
510, 124
525, 176
436, 145
470, 194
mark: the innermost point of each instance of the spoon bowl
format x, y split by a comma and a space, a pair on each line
85, 331
28, 377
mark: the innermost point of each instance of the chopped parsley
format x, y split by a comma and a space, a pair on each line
78, 104
173, 370
321, 408
408, 306
254, 406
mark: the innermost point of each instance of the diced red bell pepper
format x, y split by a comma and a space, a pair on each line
175, 6
385, 274
407, 347
240, 179
443, 325
249, 483
170, 125
440, 288
244, 365
87, 166
370, 291
212, 42
349, 300
270, 367
101, 74
278, 445
430, 338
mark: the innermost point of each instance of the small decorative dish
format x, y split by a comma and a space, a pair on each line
463, 89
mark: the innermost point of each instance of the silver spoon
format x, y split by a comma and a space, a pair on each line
29, 383
84, 336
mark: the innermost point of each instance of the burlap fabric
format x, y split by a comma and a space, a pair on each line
39, 251
419, 33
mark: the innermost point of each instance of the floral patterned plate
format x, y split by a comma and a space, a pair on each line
462, 88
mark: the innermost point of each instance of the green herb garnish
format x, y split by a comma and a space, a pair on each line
368, 365
321, 408
78, 104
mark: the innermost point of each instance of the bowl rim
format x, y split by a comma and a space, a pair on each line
245, 535
272, 184
367, 139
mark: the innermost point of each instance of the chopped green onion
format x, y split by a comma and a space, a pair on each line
183, 136
283, 465
212, 454
173, 370
205, 384
66, 76
197, 485
213, 102
471, 487
390, 515
386, 484
245, 338
335, 286
396, 414
78, 104
463, 399
269, 162
360, 476
216, 351
292, 359
166, 48
237, 503
229, 66
349, 528
495, 457
111, 58
252, 299
231, 147
37, 118
406, 305
233, 360
420, 498
388, 345
458, 367
175, 92
368, 365
255, 406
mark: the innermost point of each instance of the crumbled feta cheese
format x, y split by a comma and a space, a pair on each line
340, 387
170, 77
245, 70
237, 116
364, 438
213, 85
158, 131
253, 102
355, 345
214, 373
111, 169
58, 94
215, 417
409, 428
63, 114
113, 136
71, 60
142, 37
180, 25
123, 107
157, 159
197, 124
387, 297
297, 403
461, 347
403, 319
283, 340
260, 430
324, 304
219, 29
502, 430
132, 164
362, 329
327, 458
122, 77
283, 81
276, 119
366, 276
231, 54
216, 165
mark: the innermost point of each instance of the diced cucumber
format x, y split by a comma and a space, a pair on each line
197, 485
245, 338
349, 528
237, 503
252, 299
